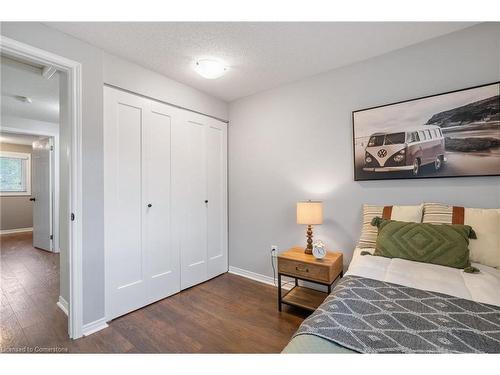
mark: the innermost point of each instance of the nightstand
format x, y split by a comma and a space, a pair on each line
296, 264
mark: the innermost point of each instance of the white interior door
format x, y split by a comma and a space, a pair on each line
41, 193
194, 198
162, 254
216, 153
126, 266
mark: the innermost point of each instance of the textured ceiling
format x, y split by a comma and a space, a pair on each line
19, 79
260, 55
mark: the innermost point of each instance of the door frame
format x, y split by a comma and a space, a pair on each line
73, 69
54, 171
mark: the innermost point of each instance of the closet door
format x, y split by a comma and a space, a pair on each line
192, 177
216, 154
126, 279
201, 175
165, 200
162, 256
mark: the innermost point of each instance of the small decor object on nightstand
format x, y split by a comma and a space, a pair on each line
319, 250
309, 213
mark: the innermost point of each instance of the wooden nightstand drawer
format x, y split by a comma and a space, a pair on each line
294, 262
304, 270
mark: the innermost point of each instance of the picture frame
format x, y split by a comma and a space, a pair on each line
450, 134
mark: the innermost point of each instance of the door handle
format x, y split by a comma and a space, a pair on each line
206, 200
32, 199
150, 205
301, 268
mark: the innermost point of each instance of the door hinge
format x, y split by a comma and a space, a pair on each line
72, 216
51, 236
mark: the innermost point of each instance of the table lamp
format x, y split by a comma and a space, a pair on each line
309, 213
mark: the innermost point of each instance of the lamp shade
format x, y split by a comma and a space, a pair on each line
309, 213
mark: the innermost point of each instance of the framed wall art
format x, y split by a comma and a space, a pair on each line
453, 134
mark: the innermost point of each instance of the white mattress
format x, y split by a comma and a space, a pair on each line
479, 287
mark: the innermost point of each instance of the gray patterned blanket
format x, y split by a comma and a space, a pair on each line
371, 316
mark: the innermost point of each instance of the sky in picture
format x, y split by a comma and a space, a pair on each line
412, 114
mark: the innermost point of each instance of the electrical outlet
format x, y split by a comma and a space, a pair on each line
274, 250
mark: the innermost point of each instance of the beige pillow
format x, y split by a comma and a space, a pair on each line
485, 222
369, 233
411, 214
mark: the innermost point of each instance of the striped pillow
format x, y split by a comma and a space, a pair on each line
438, 213
369, 233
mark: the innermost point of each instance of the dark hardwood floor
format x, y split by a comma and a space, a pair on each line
228, 314
30, 289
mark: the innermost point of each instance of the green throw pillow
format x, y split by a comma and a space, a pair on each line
443, 244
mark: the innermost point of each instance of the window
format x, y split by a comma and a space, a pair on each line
412, 137
15, 173
395, 138
376, 140
422, 136
429, 136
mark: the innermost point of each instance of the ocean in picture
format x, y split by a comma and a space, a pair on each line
446, 135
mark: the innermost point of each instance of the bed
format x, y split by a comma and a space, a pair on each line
480, 292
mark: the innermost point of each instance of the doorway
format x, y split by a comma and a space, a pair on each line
29, 187
34, 290
64, 228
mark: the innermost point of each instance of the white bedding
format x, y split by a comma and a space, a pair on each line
480, 287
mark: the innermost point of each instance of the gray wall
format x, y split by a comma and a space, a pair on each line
295, 142
145, 82
16, 211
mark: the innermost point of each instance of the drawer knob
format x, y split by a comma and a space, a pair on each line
301, 269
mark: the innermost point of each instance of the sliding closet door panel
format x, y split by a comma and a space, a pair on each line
194, 239
128, 193
123, 125
162, 259
217, 199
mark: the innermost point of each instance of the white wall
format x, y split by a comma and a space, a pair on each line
127, 75
64, 189
29, 125
295, 142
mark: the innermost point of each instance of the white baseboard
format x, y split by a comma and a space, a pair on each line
259, 277
63, 305
94, 326
17, 230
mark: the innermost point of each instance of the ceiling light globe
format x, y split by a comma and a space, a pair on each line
210, 69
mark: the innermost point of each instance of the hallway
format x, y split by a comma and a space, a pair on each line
29, 315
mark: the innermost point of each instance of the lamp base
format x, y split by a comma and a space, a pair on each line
309, 247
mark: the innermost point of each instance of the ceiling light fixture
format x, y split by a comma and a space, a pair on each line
210, 69
25, 99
